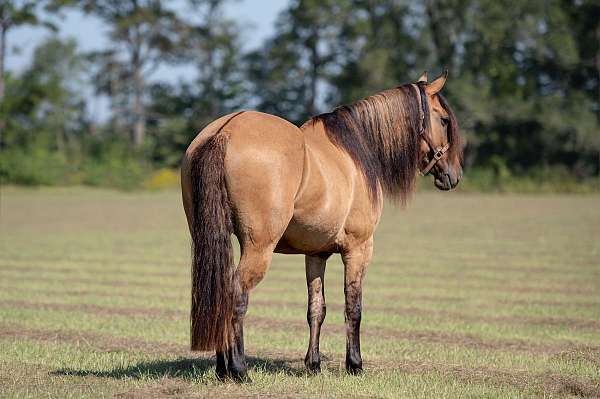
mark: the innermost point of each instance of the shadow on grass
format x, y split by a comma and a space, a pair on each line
186, 369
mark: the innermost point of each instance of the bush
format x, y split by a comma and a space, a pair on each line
32, 168
101, 165
118, 173
546, 180
162, 179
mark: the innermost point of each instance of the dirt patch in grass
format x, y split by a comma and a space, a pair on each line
167, 388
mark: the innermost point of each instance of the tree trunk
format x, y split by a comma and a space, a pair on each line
598, 71
139, 114
2, 82
2, 58
598, 88
311, 106
139, 125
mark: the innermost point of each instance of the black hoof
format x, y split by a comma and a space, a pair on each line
313, 367
240, 377
354, 368
222, 375
313, 363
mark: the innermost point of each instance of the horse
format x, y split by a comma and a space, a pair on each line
315, 190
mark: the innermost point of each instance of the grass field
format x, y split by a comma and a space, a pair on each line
468, 295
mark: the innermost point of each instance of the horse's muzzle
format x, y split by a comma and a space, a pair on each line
448, 179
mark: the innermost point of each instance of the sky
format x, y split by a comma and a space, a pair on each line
258, 18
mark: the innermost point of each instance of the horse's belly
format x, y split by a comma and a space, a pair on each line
311, 235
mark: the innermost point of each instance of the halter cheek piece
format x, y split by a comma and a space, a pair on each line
439, 151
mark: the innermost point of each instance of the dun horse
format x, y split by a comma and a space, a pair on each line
314, 190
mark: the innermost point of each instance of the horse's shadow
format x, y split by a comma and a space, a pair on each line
186, 369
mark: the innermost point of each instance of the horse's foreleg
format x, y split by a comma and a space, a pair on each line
355, 261
315, 271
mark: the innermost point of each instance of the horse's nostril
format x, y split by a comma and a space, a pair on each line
447, 180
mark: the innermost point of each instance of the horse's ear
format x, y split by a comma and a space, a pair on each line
423, 77
437, 84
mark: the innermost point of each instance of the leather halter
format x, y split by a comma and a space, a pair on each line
439, 151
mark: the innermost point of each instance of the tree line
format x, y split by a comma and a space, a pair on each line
524, 79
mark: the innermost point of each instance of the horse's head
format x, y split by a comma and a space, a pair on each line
441, 144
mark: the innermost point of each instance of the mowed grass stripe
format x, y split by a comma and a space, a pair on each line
501, 304
405, 262
552, 311
401, 296
287, 323
181, 303
419, 265
547, 382
382, 286
382, 297
505, 307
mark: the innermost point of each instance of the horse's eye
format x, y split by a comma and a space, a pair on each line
445, 120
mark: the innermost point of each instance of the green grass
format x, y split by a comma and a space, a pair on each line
468, 295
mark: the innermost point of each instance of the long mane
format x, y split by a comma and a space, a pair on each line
381, 135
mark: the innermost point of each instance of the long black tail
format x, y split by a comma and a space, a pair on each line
212, 252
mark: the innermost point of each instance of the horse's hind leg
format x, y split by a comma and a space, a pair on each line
254, 262
315, 273
355, 261
221, 365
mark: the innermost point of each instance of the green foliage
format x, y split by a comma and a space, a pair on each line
556, 179
34, 167
306, 51
111, 163
524, 81
99, 163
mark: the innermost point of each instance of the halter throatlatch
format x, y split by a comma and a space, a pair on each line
436, 152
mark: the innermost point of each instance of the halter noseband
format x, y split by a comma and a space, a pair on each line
439, 151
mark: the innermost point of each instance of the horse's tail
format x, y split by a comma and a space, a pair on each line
212, 252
